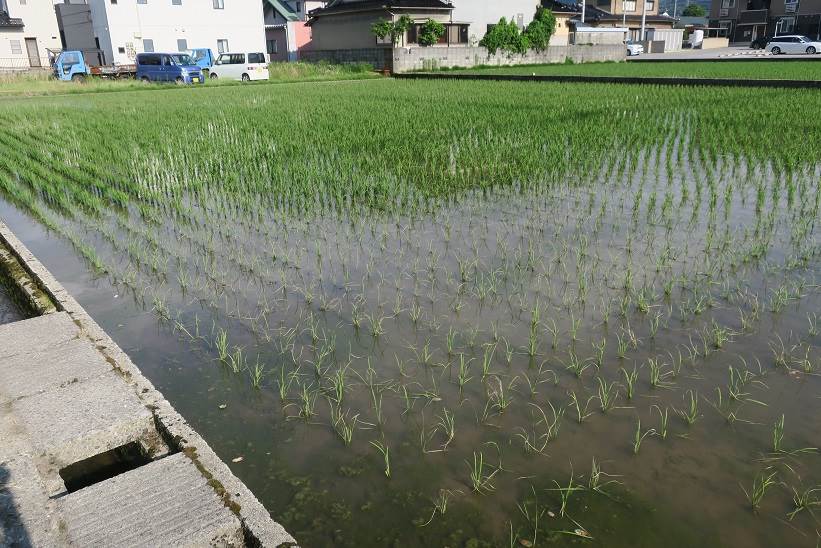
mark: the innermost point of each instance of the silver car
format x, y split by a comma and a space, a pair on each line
793, 43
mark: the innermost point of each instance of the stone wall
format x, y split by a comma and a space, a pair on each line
410, 59
380, 58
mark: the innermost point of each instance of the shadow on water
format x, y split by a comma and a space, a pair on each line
12, 530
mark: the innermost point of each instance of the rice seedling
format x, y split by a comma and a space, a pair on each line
630, 380
639, 436
481, 474
608, 394
762, 483
805, 499
566, 491
385, 451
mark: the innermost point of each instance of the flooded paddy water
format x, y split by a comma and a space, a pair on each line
624, 356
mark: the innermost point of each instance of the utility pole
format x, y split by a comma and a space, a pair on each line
583, 9
643, 20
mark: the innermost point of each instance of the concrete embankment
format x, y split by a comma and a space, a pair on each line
90, 452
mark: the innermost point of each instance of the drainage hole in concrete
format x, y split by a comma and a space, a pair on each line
103, 466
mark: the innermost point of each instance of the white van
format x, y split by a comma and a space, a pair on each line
240, 66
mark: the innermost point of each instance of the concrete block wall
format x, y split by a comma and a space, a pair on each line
380, 58
411, 59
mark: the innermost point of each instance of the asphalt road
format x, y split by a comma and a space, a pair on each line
733, 52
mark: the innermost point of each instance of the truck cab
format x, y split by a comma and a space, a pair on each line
203, 58
70, 66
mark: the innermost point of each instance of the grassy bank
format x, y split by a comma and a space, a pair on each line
764, 69
31, 84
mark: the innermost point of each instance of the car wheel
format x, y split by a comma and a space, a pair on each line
213, 76
776, 50
78, 78
811, 50
246, 78
145, 79
179, 81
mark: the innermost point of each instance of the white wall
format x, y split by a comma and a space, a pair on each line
127, 24
39, 22
481, 13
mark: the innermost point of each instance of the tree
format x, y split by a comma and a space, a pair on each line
694, 10
505, 36
430, 32
539, 31
394, 29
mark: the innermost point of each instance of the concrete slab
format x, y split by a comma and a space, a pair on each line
37, 334
26, 374
83, 419
165, 503
27, 516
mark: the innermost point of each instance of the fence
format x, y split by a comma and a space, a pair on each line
17, 64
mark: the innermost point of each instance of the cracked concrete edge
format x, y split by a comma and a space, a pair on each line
258, 526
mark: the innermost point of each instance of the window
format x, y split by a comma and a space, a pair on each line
149, 59
256, 58
629, 5
651, 5
16, 47
120, 50
219, 4
222, 45
176, 2
457, 34
273, 47
113, 2
787, 25
182, 44
22, 2
299, 6
726, 4
603, 3
142, 1
148, 45
791, 6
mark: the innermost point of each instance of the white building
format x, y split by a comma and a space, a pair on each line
28, 29
481, 14
123, 28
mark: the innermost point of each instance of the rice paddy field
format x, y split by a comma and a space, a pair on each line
443, 313
758, 69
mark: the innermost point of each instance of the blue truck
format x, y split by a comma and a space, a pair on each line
76, 66
203, 58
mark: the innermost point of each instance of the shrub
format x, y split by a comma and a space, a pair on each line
430, 32
505, 36
539, 31
394, 29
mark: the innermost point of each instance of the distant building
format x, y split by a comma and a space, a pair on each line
746, 20
119, 29
480, 15
614, 14
28, 29
286, 31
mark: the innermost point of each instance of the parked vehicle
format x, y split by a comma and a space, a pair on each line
761, 42
793, 43
634, 48
203, 58
168, 67
76, 66
241, 66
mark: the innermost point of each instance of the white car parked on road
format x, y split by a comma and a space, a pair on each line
634, 48
240, 66
792, 43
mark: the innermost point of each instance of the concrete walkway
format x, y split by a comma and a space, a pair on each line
92, 455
